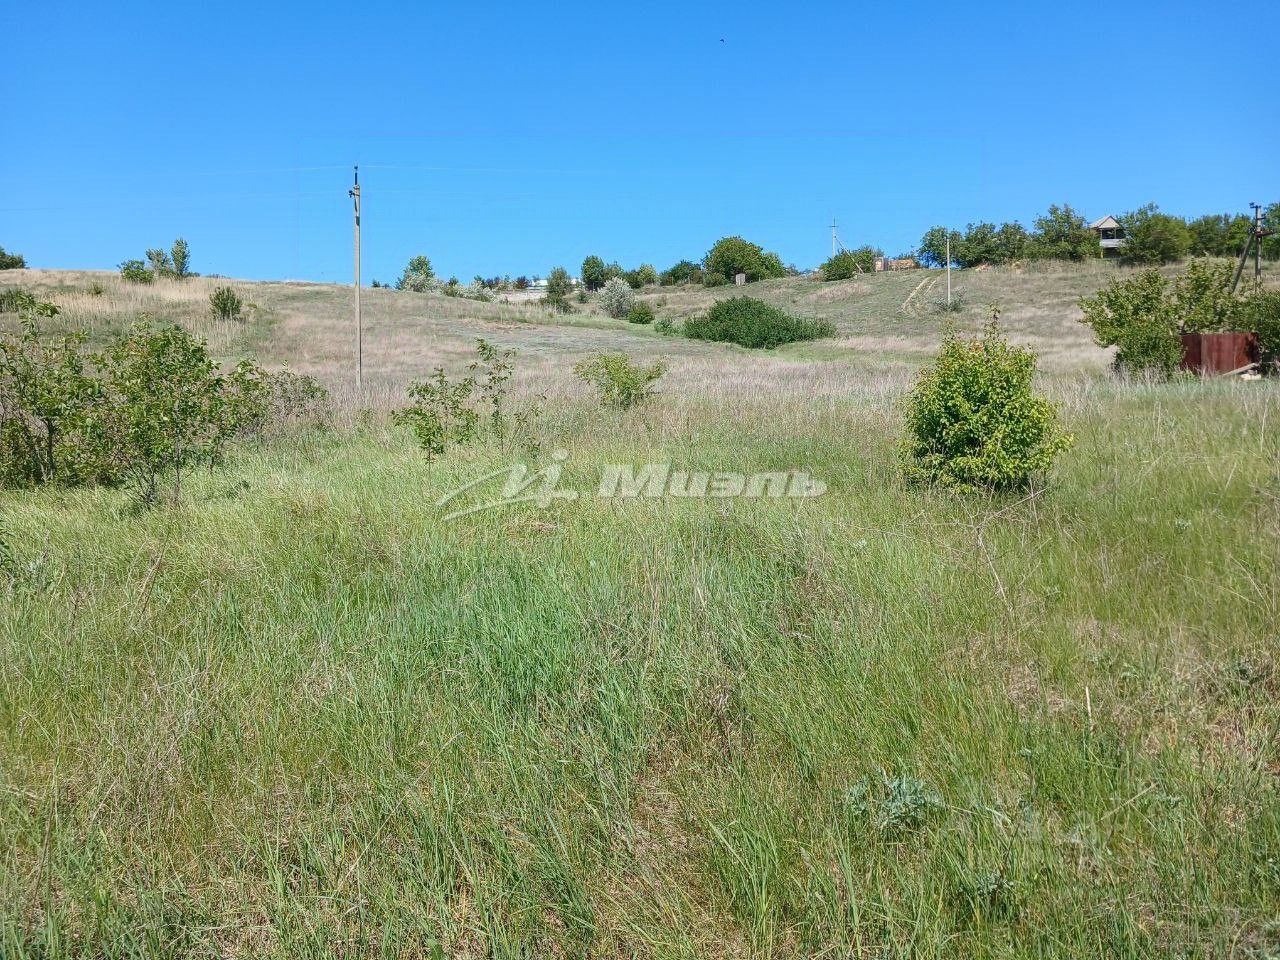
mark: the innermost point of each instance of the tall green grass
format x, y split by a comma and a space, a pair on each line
299, 716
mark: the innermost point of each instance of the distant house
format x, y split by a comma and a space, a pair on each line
1110, 236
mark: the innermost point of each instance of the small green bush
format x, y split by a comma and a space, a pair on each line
686, 271
665, 326
849, 263
642, 276
616, 298
621, 383
710, 279
11, 261
640, 313
975, 423
418, 277
1260, 313
1136, 316
444, 412
135, 271
754, 323
225, 304
559, 287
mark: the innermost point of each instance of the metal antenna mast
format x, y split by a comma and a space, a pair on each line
354, 194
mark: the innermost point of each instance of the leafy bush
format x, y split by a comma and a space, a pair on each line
1203, 301
135, 271
686, 271
444, 411
1219, 234
1062, 234
664, 326
754, 323
180, 257
259, 403
418, 277
11, 261
1152, 237
616, 298
225, 304
733, 255
848, 263
714, 280
559, 286
642, 276
974, 421
640, 313
1260, 313
161, 265
621, 383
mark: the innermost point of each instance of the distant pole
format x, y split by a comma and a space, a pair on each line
354, 193
1258, 233
948, 269
833, 236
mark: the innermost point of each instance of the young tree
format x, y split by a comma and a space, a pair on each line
849, 263
159, 260
932, 251
594, 273
641, 276
418, 276
559, 286
733, 255
180, 254
11, 261
1152, 237
686, 271
1062, 234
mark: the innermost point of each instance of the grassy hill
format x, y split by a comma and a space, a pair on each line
301, 713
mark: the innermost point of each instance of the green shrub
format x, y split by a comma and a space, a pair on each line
733, 255
754, 323
418, 277
443, 412
1152, 237
11, 261
849, 263
180, 258
1203, 301
616, 298
1136, 316
973, 420
686, 271
620, 383
135, 271
642, 276
714, 280
1260, 313
559, 287
225, 304
160, 263
165, 407
259, 403
640, 313
664, 326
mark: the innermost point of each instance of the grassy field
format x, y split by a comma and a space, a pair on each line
300, 714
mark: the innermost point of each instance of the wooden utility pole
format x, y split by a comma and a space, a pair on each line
948, 269
354, 194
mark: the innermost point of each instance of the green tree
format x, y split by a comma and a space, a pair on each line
1137, 316
594, 273
11, 261
642, 276
733, 255
932, 251
849, 263
180, 255
985, 243
686, 271
1062, 234
1152, 237
1219, 234
418, 277
559, 287
161, 265
1271, 244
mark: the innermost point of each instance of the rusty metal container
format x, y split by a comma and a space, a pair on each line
1209, 354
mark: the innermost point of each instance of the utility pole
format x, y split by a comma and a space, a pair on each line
1256, 235
354, 194
833, 235
948, 269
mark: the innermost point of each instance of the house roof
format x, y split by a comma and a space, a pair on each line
1106, 223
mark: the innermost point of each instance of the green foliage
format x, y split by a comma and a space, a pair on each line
895, 805
225, 304
932, 251
1271, 244
1062, 234
418, 276
1202, 299
259, 403
986, 244
714, 280
642, 276
733, 255
640, 313
594, 275
1152, 237
11, 261
665, 326
1219, 235
849, 263
1260, 313
135, 271
974, 421
166, 406
616, 298
180, 258
160, 263
754, 323
686, 271
48, 409
620, 383
1136, 316
444, 412
559, 287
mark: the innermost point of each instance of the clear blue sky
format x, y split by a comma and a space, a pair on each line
507, 139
